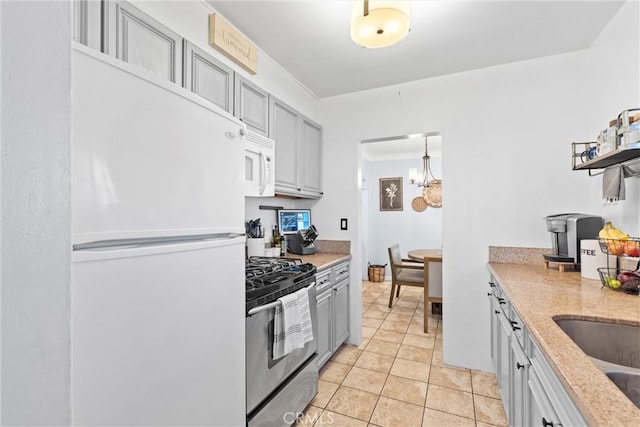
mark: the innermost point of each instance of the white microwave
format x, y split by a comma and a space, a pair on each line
259, 165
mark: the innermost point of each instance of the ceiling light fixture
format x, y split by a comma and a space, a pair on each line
423, 180
379, 23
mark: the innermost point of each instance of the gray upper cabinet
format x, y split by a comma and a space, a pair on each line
311, 157
86, 22
284, 131
134, 37
207, 77
298, 151
252, 106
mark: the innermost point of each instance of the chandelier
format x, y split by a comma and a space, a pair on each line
423, 180
377, 23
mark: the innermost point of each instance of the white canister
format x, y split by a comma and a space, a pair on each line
592, 258
255, 247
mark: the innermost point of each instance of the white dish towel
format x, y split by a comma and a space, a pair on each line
292, 326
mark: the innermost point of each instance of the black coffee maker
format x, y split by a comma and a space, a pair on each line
567, 230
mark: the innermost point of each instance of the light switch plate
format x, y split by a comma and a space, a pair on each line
343, 223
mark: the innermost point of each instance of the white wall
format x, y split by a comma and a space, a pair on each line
506, 134
615, 86
408, 228
35, 216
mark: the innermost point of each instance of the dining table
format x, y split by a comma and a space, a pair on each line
434, 255
426, 256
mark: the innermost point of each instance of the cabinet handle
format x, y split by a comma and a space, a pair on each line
496, 311
493, 285
519, 365
489, 294
513, 325
546, 423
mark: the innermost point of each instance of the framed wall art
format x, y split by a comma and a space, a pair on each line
391, 194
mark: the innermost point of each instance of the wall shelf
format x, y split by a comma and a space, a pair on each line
622, 155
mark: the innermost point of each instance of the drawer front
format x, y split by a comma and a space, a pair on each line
323, 280
340, 272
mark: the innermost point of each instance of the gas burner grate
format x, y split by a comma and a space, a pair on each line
263, 287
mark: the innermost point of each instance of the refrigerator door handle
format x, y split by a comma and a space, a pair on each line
153, 241
143, 247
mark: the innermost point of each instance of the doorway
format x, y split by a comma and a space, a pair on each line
412, 226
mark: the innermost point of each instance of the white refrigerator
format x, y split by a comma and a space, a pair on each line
158, 294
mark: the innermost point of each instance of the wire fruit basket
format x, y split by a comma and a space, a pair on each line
620, 280
629, 247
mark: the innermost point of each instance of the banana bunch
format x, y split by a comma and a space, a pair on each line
614, 238
609, 231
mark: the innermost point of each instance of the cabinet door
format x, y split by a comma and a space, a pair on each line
325, 327
561, 408
519, 367
207, 77
283, 129
341, 312
86, 23
311, 157
134, 37
494, 312
504, 350
252, 106
540, 410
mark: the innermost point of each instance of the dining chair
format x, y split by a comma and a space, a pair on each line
408, 272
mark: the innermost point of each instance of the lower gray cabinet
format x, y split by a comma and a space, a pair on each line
134, 37
340, 312
504, 350
332, 304
531, 392
325, 326
550, 404
540, 410
518, 372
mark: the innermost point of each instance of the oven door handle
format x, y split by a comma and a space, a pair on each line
262, 308
273, 304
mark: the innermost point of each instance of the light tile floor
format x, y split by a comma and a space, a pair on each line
396, 377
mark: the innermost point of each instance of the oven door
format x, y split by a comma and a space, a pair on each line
264, 374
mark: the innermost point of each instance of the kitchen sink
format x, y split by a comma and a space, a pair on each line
628, 383
614, 348
609, 342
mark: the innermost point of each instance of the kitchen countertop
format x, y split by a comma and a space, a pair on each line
322, 260
539, 295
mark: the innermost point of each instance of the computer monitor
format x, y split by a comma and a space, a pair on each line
290, 221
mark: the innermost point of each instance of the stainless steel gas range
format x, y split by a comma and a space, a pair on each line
278, 390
